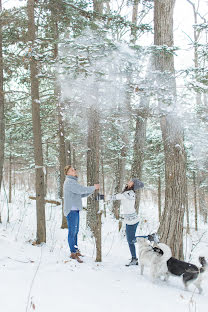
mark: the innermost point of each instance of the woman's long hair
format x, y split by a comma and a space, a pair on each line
126, 188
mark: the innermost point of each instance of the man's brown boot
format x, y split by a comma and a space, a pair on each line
75, 257
79, 253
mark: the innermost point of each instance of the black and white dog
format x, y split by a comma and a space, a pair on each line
189, 272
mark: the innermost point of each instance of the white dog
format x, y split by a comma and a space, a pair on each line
154, 257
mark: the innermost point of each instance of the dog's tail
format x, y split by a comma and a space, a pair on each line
167, 254
203, 262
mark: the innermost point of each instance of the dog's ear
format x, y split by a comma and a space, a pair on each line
202, 261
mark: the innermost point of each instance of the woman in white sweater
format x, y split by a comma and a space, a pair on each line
127, 198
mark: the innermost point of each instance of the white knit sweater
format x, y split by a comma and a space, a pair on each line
127, 206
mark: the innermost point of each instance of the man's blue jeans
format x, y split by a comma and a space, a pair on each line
73, 227
130, 235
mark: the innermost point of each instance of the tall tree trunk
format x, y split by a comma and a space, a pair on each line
103, 182
60, 113
196, 56
200, 173
203, 209
62, 154
107, 5
134, 20
195, 201
10, 171
93, 156
140, 133
14, 177
138, 152
98, 6
171, 226
187, 211
2, 121
46, 170
93, 162
120, 172
68, 153
159, 198
74, 157
37, 136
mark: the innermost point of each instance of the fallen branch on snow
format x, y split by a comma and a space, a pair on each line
49, 201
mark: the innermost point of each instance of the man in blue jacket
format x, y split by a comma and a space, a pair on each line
73, 193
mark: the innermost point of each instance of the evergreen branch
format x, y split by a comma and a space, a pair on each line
109, 18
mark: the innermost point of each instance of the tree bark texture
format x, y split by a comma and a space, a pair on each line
119, 174
98, 6
93, 162
195, 202
138, 153
140, 133
10, 173
202, 191
37, 135
60, 113
93, 157
68, 152
134, 20
2, 120
187, 211
159, 199
163, 33
103, 181
46, 170
171, 226
200, 175
196, 56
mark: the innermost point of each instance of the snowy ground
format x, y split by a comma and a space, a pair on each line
44, 278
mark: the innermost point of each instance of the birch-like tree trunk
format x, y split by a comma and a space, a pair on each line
171, 226
37, 135
2, 120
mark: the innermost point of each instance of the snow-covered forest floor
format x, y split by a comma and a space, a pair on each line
44, 278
